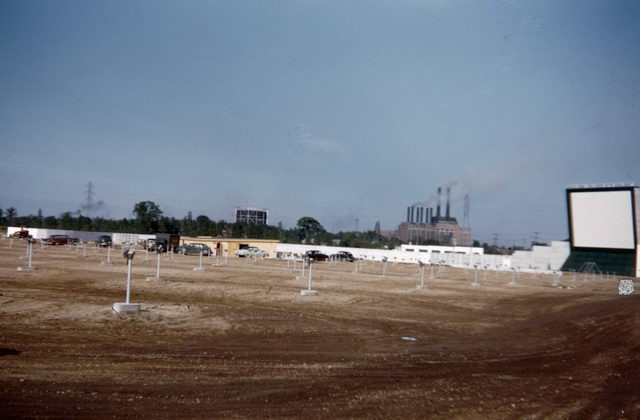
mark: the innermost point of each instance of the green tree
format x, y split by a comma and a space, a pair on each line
66, 221
237, 230
169, 225
204, 226
12, 213
148, 216
50, 222
187, 226
308, 227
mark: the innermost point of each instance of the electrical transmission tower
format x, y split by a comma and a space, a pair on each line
88, 207
89, 192
467, 208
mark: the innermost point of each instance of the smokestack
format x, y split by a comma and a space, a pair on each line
448, 215
408, 214
421, 214
430, 215
439, 199
412, 213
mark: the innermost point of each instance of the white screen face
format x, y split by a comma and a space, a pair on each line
602, 219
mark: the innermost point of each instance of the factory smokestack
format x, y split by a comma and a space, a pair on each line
408, 214
439, 201
412, 213
448, 214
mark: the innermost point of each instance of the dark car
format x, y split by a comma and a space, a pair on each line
343, 256
61, 240
194, 249
104, 241
315, 255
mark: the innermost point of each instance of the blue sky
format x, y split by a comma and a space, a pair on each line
340, 110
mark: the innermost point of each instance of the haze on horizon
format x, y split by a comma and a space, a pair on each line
339, 110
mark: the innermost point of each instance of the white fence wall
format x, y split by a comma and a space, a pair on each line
543, 259
412, 254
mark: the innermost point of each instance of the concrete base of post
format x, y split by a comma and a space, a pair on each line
24, 257
308, 292
27, 268
198, 269
420, 287
106, 262
126, 307
154, 278
475, 284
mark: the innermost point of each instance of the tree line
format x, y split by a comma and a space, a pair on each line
148, 218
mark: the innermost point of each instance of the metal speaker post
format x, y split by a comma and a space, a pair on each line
29, 256
127, 306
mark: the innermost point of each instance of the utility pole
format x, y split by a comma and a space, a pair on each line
535, 237
495, 240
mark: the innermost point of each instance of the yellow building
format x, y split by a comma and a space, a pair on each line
227, 246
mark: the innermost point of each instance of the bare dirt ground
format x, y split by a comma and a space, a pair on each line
239, 341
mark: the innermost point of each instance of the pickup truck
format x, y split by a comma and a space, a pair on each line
162, 240
61, 240
104, 241
23, 233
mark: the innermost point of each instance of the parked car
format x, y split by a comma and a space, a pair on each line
194, 249
251, 251
315, 255
343, 256
104, 241
61, 240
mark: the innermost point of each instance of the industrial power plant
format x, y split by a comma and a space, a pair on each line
423, 226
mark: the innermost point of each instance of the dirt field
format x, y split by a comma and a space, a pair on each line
239, 341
